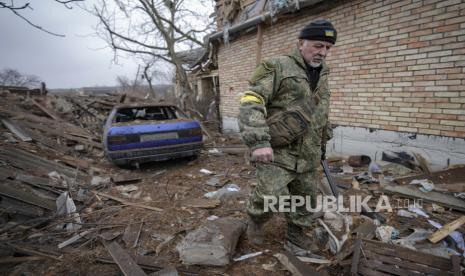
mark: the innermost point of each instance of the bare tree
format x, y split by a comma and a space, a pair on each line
155, 29
153, 73
17, 9
11, 77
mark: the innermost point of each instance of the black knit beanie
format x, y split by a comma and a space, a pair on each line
319, 29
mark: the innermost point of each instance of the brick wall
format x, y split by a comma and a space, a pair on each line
397, 65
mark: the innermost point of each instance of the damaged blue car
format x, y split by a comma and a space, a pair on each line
135, 134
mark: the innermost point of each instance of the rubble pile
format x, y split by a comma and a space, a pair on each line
65, 209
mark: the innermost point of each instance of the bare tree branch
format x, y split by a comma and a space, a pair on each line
159, 29
14, 8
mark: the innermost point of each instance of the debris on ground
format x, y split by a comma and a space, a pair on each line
66, 209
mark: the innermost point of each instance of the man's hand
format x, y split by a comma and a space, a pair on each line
263, 155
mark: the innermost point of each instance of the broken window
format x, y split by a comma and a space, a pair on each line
158, 113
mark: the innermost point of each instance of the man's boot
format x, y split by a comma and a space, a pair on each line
295, 237
255, 232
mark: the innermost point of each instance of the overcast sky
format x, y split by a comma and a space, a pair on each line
77, 60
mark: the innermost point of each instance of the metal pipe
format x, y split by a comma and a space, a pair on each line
246, 24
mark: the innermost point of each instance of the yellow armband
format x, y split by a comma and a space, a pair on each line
253, 97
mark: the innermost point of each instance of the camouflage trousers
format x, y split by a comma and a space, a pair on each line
276, 181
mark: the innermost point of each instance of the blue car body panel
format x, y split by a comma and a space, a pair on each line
152, 129
152, 144
137, 150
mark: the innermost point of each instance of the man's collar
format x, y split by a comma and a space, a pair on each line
299, 59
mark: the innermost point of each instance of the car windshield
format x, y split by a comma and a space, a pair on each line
158, 113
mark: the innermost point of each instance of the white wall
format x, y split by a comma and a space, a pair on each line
438, 150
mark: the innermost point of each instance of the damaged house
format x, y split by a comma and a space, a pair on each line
397, 69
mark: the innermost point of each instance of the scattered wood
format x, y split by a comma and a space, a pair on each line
14, 206
313, 260
37, 181
366, 230
30, 251
16, 130
8, 188
43, 140
422, 163
446, 230
449, 176
170, 271
111, 235
127, 265
386, 259
435, 197
46, 111
154, 264
7, 172
125, 178
34, 163
131, 234
213, 243
356, 257
296, 267
67, 132
74, 239
9, 260
124, 202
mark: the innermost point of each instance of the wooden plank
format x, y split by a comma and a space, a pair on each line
30, 251
456, 265
46, 111
28, 161
14, 206
131, 234
73, 239
366, 271
66, 131
408, 254
446, 230
16, 130
356, 257
156, 264
35, 180
9, 260
7, 172
124, 202
402, 263
391, 269
296, 267
127, 265
8, 189
365, 230
126, 177
46, 141
435, 197
449, 176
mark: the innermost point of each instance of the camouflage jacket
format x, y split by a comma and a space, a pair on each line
275, 84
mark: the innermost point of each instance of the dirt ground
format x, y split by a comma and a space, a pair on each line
180, 180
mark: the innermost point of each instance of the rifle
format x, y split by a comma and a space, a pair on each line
330, 178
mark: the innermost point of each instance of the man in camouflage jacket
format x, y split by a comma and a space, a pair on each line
276, 85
